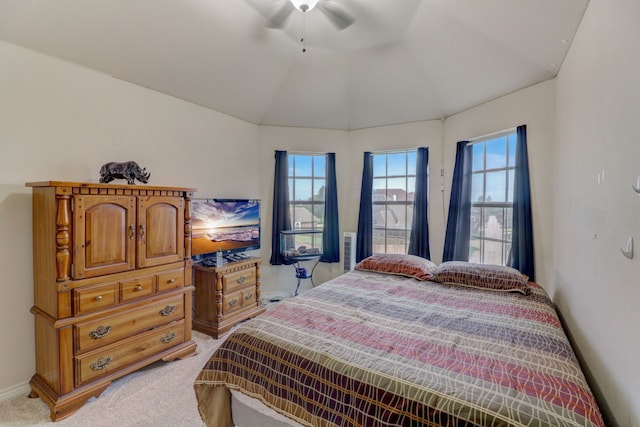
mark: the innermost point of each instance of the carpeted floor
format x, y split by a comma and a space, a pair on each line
156, 396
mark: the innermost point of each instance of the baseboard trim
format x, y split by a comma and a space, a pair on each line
14, 391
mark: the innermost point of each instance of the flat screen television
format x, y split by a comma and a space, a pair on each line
231, 225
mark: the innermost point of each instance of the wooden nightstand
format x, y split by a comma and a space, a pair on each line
226, 295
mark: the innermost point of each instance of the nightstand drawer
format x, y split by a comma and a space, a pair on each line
237, 300
106, 360
126, 323
239, 279
92, 298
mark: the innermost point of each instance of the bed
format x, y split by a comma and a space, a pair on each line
377, 348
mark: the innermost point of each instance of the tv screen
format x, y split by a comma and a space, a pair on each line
231, 225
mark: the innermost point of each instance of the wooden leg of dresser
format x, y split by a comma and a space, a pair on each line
63, 406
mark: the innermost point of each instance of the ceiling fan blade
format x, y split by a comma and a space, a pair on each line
279, 17
337, 14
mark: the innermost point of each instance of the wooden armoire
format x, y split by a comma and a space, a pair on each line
112, 285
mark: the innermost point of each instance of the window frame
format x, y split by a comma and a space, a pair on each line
506, 206
315, 203
409, 204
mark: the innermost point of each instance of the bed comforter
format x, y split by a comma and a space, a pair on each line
368, 349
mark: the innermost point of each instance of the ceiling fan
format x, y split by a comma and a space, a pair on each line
336, 14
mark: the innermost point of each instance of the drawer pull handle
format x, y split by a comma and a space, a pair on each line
241, 279
141, 231
172, 280
168, 338
100, 332
138, 288
102, 363
168, 310
248, 296
99, 298
132, 231
233, 302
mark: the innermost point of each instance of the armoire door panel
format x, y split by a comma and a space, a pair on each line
160, 230
104, 240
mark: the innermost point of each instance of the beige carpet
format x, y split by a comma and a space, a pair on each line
158, 395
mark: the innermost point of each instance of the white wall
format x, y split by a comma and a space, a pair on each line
598, 129
62, 122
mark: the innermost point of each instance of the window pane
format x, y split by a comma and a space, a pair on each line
477, 187
478, 156
474, 251
496, 186
510, 189
303, 189
379, 189
378, 241
395, 216
291, 161
303, 166
497, 153
411, 189
411, 162
379, 165
319, 189
397, 164
319, 166
476, 221
512, 149
409, 220
379, 217
291, 189
396, 189
396, 241
302, 216
318, 216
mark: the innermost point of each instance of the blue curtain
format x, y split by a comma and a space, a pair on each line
456, 240
331, 230
521, 255
364, 239
281, 217
419, 240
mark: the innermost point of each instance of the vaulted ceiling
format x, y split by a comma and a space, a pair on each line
400, 61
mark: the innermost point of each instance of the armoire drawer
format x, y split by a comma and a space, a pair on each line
171, 280
138, 287
97, 297
106, 360
106, 330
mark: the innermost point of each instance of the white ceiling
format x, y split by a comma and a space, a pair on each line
401, 61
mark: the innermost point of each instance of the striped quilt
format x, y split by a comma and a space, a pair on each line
367, 349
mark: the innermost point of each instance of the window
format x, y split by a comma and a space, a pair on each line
394, 183
307, 184
492, 169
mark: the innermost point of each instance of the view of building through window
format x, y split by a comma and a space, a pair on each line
307, 183
493, 169
394, 183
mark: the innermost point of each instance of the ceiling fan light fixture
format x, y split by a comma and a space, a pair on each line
304, 5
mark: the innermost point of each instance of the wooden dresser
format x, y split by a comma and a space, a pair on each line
112, 285
226, 295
